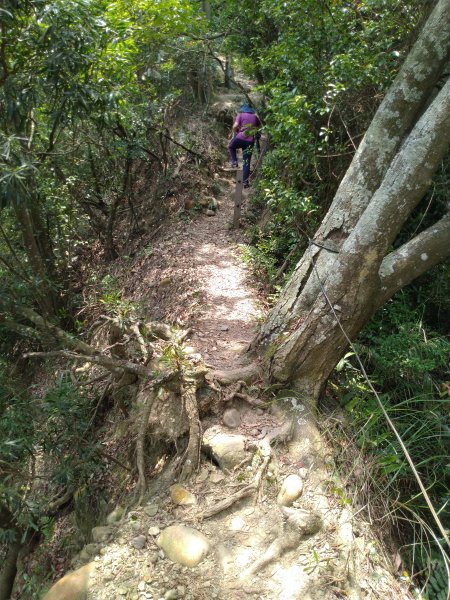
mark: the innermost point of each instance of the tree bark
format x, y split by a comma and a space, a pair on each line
347, 273
40, 256
9, 570
402, 105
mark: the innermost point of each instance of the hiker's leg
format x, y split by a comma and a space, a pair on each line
232, 146
247, 156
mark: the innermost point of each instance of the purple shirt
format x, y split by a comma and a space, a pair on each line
247, 121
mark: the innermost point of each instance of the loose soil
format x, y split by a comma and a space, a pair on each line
193, 274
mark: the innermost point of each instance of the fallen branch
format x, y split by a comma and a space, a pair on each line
229, 501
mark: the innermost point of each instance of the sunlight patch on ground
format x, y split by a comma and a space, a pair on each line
290, 582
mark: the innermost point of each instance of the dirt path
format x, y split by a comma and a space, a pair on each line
194, 275
272, 526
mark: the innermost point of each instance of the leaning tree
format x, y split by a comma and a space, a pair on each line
350, 267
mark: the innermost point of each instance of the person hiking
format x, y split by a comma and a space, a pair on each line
245, 130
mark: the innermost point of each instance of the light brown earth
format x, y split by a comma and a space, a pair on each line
196, 276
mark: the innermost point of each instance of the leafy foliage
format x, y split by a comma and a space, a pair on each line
408, 363
46, 439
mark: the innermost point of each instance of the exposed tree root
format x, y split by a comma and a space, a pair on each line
256, 486
248, 374
147, 400
228, 501
299, 524
192, 456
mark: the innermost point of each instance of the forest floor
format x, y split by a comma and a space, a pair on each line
253, 542
196, 276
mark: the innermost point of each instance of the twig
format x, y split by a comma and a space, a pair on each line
229, 501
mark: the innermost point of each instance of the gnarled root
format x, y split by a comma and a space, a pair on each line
148, 397
248, 374
264, 448
192, 457
298, 524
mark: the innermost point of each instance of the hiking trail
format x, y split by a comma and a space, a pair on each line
262, 519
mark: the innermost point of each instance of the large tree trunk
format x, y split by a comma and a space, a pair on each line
347, 273
397, 114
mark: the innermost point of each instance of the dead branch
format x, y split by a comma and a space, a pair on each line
228, 501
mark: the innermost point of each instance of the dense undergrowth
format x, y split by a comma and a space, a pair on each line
94, 133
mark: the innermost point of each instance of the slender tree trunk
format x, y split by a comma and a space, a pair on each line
40, 256
8, 570
228, 72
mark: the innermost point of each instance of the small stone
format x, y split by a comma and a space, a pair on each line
237, 523
224, 328
210, 213
291, 489
141, 586
181, 496
171, 595
181, 590
154, 531
203, 475
115, 515
151, 510
137, 527
165, 282
228, 449
122, 591
216, 477
231, 418
303, 472
101, 534
184, 545
138, 542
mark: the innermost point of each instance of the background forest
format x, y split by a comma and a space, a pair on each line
96, 105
